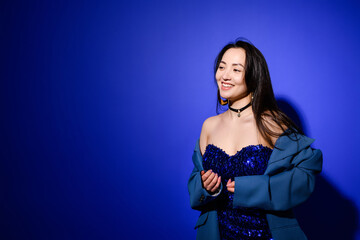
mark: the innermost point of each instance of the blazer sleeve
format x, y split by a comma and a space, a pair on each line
285, 188
200, 199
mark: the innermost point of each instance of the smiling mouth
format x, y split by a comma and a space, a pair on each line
226, 85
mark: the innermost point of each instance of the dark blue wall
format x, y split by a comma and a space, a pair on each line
102, 103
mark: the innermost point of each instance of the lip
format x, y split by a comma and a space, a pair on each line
226, 88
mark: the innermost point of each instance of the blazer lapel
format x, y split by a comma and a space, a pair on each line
197, 158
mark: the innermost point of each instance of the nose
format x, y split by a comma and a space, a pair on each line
226, 75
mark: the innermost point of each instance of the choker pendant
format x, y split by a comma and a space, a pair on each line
239, 110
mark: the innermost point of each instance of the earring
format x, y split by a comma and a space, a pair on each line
222, 102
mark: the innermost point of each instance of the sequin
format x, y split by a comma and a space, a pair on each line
239, 223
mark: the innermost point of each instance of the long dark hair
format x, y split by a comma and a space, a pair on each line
257, 79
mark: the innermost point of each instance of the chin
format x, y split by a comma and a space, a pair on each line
226, 95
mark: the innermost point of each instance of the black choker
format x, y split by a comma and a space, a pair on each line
239, 110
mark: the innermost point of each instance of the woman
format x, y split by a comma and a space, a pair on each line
252, 164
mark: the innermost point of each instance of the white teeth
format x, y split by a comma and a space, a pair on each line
226, 85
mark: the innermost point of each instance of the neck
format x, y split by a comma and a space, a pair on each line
240, 103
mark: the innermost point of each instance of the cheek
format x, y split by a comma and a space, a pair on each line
217, 77
240, 79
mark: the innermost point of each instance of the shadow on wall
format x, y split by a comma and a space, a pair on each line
326, 214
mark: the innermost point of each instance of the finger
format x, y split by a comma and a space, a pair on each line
217, 184
206, 175
228, 182
231, 184
231, 189
209, 179
213, 182
202, 172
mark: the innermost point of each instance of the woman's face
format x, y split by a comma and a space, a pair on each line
230, 75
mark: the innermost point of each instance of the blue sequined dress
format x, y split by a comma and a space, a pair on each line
239, 223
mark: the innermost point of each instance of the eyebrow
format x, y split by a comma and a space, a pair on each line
234, 64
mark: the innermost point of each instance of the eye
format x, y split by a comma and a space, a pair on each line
237, 70
221, 67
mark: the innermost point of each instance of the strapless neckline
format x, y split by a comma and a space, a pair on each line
238, 152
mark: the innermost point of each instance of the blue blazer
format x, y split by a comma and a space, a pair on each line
288, 181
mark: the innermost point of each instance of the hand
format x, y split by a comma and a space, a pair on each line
211, 181
230, 185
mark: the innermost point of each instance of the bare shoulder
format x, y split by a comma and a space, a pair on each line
206, 129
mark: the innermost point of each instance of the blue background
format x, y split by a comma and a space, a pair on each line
102, 103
